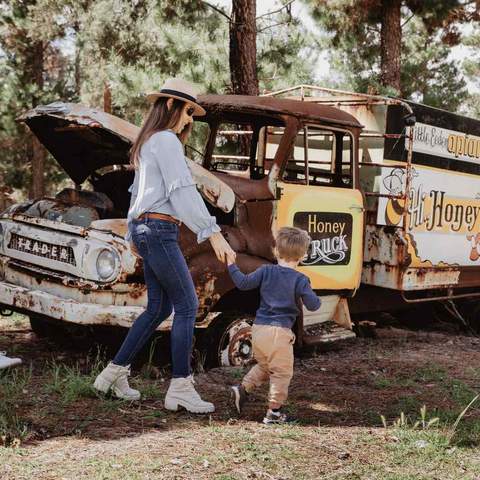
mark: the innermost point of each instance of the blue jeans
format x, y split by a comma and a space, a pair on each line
169, 283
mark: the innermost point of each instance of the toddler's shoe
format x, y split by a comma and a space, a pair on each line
240, 396
276, 417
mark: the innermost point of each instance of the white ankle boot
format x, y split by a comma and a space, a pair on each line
114, 378
6, 362
182, 393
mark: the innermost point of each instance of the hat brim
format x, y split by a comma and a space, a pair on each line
199, 111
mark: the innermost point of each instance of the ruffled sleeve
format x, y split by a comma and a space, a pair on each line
180, 187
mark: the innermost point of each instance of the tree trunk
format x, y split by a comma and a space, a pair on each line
77, 65
391, 43
107, 98
37, 187
243, 48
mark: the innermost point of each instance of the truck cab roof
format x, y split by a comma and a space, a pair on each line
235, 105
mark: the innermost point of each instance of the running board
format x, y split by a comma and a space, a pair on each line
331, 323
330, 333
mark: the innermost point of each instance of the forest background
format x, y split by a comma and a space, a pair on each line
108, 53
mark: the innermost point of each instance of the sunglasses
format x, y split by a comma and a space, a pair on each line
190, 111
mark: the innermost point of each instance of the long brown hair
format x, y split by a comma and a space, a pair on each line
159, 118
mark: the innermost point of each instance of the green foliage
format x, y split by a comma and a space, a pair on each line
351, 33
286, 54
13, 383
74, 382
32, 71
472, 70
129, 48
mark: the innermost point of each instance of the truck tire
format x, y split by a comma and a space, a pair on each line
42, 327
65, 334
227, 342
107, 338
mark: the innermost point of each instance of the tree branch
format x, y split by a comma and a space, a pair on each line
407, 20
261, 30
287, 6
218, 10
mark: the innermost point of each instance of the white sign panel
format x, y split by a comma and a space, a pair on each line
443, 215
446, 143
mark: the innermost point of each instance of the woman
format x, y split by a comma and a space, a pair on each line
164, 195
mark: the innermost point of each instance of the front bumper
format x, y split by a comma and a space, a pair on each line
28, 301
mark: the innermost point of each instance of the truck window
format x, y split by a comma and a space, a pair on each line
243, 149
321, 157
237, 148
233, 145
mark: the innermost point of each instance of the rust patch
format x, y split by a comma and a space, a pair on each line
118, 226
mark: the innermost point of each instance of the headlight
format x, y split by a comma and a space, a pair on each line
106, 263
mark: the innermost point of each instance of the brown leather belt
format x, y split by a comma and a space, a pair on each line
160, 216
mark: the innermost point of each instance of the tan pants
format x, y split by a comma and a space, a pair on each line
273, 351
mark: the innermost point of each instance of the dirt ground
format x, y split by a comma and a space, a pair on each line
53, 426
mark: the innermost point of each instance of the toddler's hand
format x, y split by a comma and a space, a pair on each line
230, 258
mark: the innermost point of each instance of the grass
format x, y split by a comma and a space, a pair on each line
13, 384
63, 384
71, 382
91, 437
456, 425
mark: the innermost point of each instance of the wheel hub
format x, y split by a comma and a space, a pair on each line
236, 349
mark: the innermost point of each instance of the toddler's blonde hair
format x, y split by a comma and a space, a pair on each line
291, 244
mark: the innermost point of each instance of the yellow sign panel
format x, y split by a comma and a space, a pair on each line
333, 217
442, 217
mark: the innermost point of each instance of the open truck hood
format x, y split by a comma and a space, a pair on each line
84, 139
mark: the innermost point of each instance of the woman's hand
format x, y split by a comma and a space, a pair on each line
223, 250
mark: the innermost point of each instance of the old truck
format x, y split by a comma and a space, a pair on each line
387, 189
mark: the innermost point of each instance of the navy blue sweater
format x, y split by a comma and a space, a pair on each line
280, 289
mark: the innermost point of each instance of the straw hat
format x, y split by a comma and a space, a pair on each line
181, 90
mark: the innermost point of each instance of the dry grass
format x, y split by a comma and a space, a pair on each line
64, 431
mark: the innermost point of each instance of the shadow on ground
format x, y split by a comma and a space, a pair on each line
399, 371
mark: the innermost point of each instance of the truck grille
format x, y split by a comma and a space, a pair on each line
59, 253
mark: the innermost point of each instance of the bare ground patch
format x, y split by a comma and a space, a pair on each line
65, 430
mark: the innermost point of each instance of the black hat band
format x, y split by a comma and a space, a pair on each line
179, 94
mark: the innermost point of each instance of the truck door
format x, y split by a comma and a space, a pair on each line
319, 193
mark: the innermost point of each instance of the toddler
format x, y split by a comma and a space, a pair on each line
281, 287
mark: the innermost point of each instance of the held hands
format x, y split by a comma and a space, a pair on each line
222, 249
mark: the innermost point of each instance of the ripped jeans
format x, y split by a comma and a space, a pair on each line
169, 284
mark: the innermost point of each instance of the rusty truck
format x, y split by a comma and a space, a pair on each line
387, 189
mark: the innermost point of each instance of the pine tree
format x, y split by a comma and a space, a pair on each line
115, 51
243, 47
33, 71
395, 47
472, 70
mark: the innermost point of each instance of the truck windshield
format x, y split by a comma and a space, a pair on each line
232, 148
236, 148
